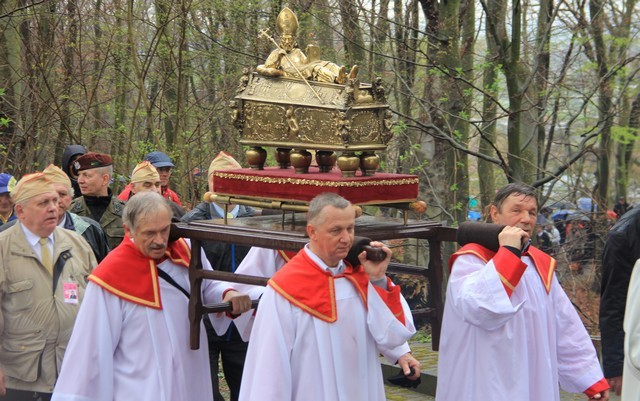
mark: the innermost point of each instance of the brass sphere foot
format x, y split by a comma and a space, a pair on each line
326, 160
348, 164
256, 156
369, 163
283, 157
301, 160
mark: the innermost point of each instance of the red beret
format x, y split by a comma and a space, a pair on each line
92, 160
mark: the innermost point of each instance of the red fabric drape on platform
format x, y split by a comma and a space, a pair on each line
286, 185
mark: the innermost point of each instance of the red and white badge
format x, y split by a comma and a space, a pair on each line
70, 293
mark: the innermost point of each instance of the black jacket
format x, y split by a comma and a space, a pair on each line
620, 254
67, 155
91, 232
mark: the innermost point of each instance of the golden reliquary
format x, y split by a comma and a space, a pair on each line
296, 102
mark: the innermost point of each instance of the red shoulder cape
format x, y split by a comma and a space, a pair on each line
306, 285
545, 264
130, 275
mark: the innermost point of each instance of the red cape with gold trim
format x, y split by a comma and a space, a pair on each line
130, 275
287, 255
303, 283
545, 264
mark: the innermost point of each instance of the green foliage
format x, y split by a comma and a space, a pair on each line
418, 168
141, 148
436, 72
624, 135
4, 121
421, 337
399, 128
617, 41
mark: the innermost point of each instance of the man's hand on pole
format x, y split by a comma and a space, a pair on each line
240, 302
375, 270
406, 362
602, 396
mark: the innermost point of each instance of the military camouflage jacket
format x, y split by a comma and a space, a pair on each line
111, 221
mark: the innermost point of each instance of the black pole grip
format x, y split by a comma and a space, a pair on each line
226, 306
485, 234
362, 244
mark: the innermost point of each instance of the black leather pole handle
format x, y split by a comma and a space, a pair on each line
362, 244
485, 234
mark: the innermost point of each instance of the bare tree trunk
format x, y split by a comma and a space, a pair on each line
122, 66
468, 18
183, 67
324, 34
65, 119
450, 102
167, 73
488, 127
604, 102
541, 79
404, 67
353, 40
629, 112
94, 107
380, 28
11, 105
522, 148
625, 150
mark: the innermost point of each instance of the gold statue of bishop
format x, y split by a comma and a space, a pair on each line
289, 61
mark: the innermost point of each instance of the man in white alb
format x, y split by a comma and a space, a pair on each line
131, 338
321, 322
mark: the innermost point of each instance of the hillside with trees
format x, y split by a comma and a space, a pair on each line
483, 92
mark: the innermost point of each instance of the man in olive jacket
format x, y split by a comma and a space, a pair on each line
43, 271
97, 201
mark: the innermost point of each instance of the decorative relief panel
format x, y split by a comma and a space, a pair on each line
264, 122
365, 127
295, 114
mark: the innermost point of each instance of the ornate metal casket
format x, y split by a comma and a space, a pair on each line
291, 113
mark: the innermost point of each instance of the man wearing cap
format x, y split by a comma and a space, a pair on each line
97, 200
163, 165
7, 182
43, 271
145, 178
223, 257
88, 228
